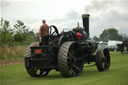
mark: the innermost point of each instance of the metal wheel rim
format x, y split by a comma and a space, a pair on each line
106, 60
41, 73
75, 61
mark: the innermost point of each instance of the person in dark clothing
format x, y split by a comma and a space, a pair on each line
44, 33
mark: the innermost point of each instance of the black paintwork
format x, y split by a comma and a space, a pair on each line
48, 58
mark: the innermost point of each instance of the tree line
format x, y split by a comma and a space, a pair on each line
20, 34
111, 34
16, 35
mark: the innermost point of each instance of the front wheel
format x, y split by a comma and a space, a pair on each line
103, 59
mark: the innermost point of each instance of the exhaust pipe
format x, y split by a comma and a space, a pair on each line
85, 18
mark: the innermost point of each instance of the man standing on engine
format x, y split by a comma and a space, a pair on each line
44, 33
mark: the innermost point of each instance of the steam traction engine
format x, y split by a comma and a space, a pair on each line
66, 52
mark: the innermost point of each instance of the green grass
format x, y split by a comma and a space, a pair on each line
117, 75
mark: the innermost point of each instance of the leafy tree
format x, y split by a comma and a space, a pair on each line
124, 37
96, 38
23, 34
5, 32
19, 35
110, 34
30, 36
104, 35
20, 29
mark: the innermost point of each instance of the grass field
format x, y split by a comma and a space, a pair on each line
16, 74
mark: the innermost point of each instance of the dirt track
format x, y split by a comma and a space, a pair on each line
8, 62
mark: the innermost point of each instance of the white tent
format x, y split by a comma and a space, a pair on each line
113, 44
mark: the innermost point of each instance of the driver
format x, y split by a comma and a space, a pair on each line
44, 33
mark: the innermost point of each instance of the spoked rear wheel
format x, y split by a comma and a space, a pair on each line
70, 59
37, 72
103, 60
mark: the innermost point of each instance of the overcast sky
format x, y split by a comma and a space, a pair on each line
66, 13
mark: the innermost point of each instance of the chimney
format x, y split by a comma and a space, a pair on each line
85, 18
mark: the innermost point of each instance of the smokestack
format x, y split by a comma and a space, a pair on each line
85, 18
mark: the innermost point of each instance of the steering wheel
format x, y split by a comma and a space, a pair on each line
53, 31
53, 34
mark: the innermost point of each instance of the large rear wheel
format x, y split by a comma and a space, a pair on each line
70, 59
